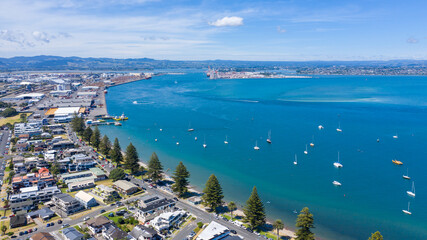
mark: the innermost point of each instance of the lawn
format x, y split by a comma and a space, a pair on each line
12, 120
106, 182
115, 219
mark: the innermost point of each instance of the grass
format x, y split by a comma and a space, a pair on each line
106, 182
85, 212
12, 120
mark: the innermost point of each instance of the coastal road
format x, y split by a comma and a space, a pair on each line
184, 232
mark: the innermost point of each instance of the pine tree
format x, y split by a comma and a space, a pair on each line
105, 145
278, 225
231, 207
155, 168
95, 139
87, 134
305, 221
116, 152
213, 193
376, 236
117, 174
77, 124
55, 169
254, 210
131, 159
181, 176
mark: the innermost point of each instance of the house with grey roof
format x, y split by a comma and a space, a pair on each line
141, 232
72, 234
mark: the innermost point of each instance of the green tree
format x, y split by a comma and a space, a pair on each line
23, 117
131, 159
55, 169
3, 229
254, 210
155, 168
117, 174
376, 236
180, 177
305, 222
116, 152
77, 124
213, 193
278, 225
87, 134
95, 139
86, 236
105, 145
231, 207
9, 112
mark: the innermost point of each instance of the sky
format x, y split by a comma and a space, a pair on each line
293, 30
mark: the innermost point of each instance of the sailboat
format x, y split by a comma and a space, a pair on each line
195, 138
296, 160
312, 142
256, 146
204, 143
155, 140
177, 143
190, 129
407, 211
396, 136
339, 128
338, 164
407, 175
269, 137
320, 127
306, 151
226, 140
336, 183
412, 192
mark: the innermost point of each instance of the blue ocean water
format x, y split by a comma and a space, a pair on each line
373, 192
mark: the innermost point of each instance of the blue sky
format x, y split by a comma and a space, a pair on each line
200, 30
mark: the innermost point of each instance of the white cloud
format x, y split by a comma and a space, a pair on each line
228, 21
280, 30
42, 37
412, 40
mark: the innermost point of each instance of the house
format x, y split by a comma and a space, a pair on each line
72, 234
18, 221
74, 186
44, 213
42, 236
98, 173
62, 145
68, 176
195, 200
214, 231
34, 194
167, 219
104, 192
42, 179
141, 232
112, 232
95, 225
19, 206
21, 147
150, 206
19, 168
85, 199
125, 187
66, 205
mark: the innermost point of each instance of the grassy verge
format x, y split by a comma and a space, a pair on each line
12, 120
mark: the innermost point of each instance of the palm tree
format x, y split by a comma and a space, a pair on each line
231, 207
278, 225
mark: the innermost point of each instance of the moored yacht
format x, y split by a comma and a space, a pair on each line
336, 183
256, 146
412, 192
407, 211
338, 164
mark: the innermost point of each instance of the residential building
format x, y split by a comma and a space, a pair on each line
66, 205
125, 187
150, 206
98, 173
95, 225
214, 231
42, 179
112, 232
44, 213
35, 194
86, 199
68, 176
141, 232
19, 168
19, 206
167, 219
42, 236
72, 234
18, 221
62, 145
80, 185
104, 191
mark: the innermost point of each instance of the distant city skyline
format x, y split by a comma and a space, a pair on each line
206, 30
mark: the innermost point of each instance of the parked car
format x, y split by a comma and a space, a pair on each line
26, 232
21, 233
233, 231
102, 210
34, 229
48, 225
65, 225
59, 221
86, 218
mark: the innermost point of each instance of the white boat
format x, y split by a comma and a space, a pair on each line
155, 140
378, 140
117, 124
338, 164
407, 175
339, 128
306, 150
177, 143
161, 129
204, 145
296, 160
195, 138
312, 142
396, 136
204, 142
336, 183
320, 127
269, 137
135, 102
226, 140
190, 129
256, 146
407, 211
412, 192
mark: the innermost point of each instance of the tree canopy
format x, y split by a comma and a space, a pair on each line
105, 145
77, 124
213, 195
95, 139
9, 112
180, 177
305, 222
87, 134
116, 152
278, 225
155, 168
231, 207
117, 174
376, 236
254, 210
131, 159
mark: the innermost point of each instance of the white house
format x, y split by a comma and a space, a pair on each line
167, 220
85, 199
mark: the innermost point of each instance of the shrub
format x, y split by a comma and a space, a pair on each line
120, 221
199, 224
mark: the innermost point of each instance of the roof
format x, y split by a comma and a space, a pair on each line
96, 171
116, 233
72, 234
27, 202
65, 197
44, 212
18, 220
36, 95
82, 183
29, 189
66, 175
98, 222
85, 197
42, 236
79, 180
157, 204
141, 230
213, 230
125, 185
67, 110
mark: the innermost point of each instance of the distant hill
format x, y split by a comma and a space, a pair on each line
131, 64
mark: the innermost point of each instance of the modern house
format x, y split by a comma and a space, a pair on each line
95, 225
72, 234
141, 232
150, 206
66, 205
42, 236
112, 232
25, 205
214, 231
103, 191
44, 213
35, 195
18, 221
75, 186
166, 220
85, 199
125, 187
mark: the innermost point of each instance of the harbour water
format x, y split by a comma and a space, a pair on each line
373, 192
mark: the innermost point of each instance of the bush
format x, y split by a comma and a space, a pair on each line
120, 221
9, 112
199, 224
10, 233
